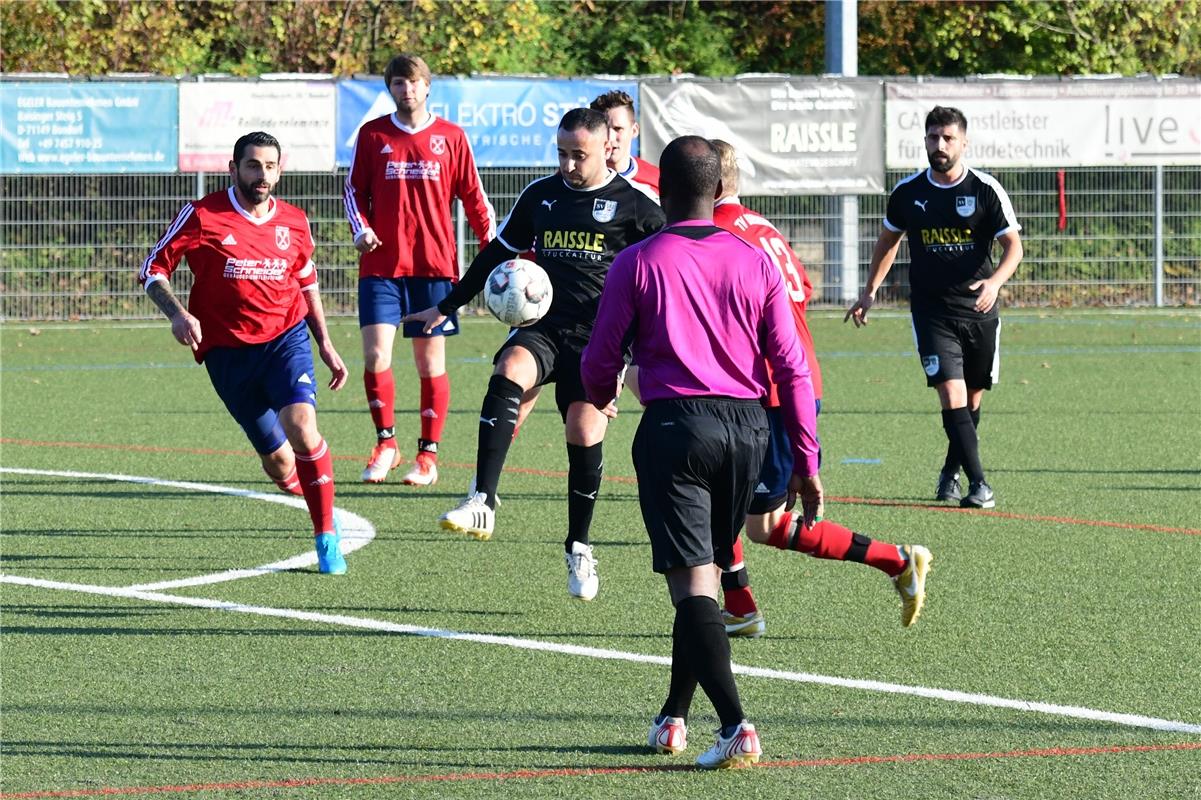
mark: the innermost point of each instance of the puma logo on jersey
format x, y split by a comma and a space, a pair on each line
549, 204
229, 239
385, 150
921, 204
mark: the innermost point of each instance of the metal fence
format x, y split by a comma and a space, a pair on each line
70, 245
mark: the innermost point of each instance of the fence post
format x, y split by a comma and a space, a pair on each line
842, 58
1159, 235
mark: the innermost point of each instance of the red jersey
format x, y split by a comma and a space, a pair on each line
644, 176
401, 184
750, 227
249, 270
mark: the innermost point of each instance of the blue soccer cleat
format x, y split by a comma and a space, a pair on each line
329, 551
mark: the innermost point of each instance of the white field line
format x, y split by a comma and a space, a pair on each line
137, 593
357, 532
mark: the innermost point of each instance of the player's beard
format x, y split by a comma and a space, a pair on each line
941, 163
255, 193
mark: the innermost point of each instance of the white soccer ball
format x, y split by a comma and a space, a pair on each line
518, 292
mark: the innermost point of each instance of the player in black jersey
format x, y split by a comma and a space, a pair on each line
952, 213
576, 221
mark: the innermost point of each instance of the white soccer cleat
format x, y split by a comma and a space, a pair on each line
384, 458
582, 581
472, 517
471, 491
668, 735
423, 473
740, 749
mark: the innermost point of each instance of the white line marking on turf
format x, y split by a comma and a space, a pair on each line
367, 532
1133, 720
357, 532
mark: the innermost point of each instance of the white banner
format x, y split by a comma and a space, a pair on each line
793, 136
212, 115
1052, 124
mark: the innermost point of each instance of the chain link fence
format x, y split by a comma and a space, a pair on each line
71, 245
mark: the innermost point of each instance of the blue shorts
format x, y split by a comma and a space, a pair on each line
383, 301
256, 381
771, 490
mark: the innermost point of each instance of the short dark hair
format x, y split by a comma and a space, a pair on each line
689, 168
587, 118
255, 139
941, 116
406, 65
610, 100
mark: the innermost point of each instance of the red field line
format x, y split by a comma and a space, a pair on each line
624, 479
536, 774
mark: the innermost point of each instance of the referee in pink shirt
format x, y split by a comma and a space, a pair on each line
703, 310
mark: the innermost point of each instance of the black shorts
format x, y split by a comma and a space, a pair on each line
958, 348
697, 461
556, 349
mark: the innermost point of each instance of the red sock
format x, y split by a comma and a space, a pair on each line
738, 599
381, 398
435, 402
832, 541
316, 473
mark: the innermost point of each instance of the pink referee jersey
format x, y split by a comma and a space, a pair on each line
401, 184
739, 220
249, 270
706, 313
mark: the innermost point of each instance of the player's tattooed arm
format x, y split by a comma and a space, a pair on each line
184, 327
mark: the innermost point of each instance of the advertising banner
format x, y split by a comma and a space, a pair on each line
1011, 123
213, 114
793, 136
48, 127
511, 122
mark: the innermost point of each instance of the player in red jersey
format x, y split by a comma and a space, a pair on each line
768, 521
406, 170
255, 289
618, 107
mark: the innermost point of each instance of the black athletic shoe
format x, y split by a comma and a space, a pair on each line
948, 487
979, 495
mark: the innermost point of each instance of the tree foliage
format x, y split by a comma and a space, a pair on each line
574, 37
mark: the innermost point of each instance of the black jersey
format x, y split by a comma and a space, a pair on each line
575, 235
951, 230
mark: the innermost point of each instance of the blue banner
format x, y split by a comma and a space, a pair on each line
511, 122
88, 127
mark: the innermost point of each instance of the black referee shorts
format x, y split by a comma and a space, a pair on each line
697, 461
557, 349
958, 348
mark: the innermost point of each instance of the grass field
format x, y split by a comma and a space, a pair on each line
1059, 654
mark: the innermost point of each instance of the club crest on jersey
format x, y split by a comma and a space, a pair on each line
283, 237
965, 206
438, 145
604, 210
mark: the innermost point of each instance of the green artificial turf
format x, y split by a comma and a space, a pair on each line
1081, 589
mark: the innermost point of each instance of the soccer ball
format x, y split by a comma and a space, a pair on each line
518, 292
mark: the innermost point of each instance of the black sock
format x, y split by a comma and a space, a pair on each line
975, 412
498, 418
708, 651
584, 467
683, 681
951, 464
969, 447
